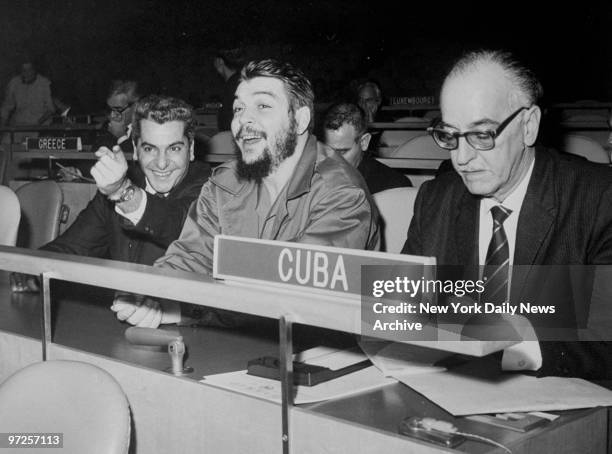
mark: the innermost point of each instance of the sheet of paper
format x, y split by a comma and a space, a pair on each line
332, 358
464, 391
395, 359
268, 389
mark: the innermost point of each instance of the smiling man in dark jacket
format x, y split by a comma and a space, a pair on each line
138, 211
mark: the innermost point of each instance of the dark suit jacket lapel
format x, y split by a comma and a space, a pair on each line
466, 238
535, 219
467, 227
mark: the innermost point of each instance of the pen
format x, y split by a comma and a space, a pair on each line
74, 174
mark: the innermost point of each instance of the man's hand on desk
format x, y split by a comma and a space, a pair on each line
22, 283
525, 355
145, 312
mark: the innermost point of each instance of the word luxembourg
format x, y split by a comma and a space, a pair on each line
487, 308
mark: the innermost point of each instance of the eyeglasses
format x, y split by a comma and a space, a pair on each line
480, 140
116, 113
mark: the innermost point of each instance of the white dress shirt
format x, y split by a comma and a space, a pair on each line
525, 355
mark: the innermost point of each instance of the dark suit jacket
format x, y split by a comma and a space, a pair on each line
99, 231
380, 177
565, 219
226, 113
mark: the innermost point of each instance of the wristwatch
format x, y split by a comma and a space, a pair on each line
127, 194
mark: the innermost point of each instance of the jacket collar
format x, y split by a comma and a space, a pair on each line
302, 174
537, 213
535, 218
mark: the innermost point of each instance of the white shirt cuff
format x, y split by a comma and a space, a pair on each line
135, 216
523, 356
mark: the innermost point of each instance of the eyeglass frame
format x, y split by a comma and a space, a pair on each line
118, 112
493, 134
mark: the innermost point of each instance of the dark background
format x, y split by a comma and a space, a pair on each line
169, 45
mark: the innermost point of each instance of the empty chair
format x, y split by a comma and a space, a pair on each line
78, 399
11, 213
396, 137
601, 136
421, 147
222, 143
418, 179
594, 116
586, 147
432, 114
41, 210
412, 120
396, 207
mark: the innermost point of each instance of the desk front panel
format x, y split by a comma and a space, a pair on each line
173, 414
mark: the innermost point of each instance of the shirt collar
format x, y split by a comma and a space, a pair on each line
514, 200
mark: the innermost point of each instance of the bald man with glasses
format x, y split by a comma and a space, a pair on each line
509, 203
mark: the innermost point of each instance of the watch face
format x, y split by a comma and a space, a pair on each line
128, 194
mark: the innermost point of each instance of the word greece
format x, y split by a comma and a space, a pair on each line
413, 287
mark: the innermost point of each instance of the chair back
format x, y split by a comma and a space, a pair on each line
586, 147
396, 207
41, 208
222, 143
11, 214
421, 147
78, 399
396, 137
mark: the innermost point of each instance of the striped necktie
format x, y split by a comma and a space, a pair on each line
497, 264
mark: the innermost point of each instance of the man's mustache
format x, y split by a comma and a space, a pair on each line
249, 131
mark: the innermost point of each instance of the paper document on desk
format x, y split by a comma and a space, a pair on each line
268, 389
397, 359
462, 392
330, 357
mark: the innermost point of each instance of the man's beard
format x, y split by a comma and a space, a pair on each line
267, 162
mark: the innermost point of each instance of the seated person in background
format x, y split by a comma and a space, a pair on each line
282, 186
28, 101
138, 211
228, 63
346, 133
512, 203
369, 98
122, 96
28, 98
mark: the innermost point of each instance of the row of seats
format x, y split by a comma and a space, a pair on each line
31, 215
419, 145
42, 202
57, 395
423, 147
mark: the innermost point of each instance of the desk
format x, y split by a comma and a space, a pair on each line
65, 128
168, 411
18, 154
